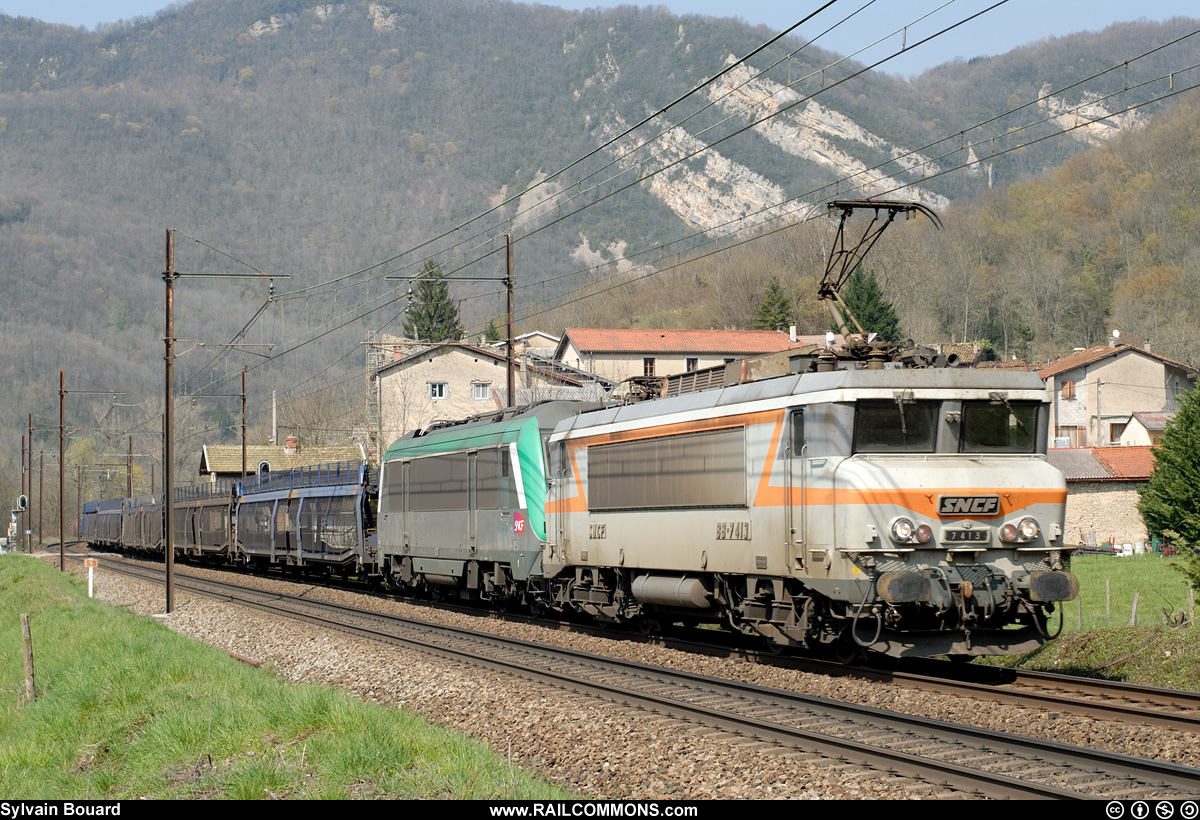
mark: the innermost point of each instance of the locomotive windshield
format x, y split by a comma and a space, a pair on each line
899, 425
998, 426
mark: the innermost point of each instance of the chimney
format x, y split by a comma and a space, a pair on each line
1146, 345
792, 334
291, 445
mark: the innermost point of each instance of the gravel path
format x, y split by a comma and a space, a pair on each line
598, 748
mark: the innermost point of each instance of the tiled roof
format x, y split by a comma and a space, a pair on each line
1129, 463
734, 342
227, 458
1155, 422
1004, 364
966, 352
1094, 354
1103, 463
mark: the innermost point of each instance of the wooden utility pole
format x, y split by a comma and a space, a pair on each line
62, 429
169, 276
129, 471
508, 286
243, 421
41, 493
24, 492
28, 522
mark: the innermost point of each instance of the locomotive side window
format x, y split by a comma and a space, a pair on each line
797, 431
999, 427
438, 483
895, 426
691, 470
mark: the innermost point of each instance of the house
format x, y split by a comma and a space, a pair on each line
619, 354
219, 462
1147, 428
1095, 392
1102, 497
537, 341
456, 381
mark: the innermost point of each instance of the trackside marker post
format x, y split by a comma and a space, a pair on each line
90, 563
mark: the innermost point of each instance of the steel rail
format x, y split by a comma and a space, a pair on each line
1129, 771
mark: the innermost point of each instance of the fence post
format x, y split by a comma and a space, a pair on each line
27, 640
1133, 614
1107, 600
1079, 611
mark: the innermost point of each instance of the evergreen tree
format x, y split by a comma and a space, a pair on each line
1171, 498
492, 333
866, 301
775, 311
432, 316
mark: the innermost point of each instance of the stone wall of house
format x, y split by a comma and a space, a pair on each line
1109, 508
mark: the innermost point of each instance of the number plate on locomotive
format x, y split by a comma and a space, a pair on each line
983, 536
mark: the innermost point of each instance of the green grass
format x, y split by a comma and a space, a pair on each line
1107, 585
1161, 649
128, 709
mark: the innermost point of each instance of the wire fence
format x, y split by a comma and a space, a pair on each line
1125, 590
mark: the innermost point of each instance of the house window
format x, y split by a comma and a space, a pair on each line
1068, 390
647, 367
693, 365
437, 390
1074, 435
481, 391
1115, 431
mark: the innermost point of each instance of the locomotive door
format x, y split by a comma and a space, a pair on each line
796, 526
472, 502
554, 496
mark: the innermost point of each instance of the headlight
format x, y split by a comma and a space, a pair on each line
902, 530
924, 533
1028, 529
1022, 532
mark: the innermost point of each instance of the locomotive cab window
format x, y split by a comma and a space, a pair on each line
899, 425
999, 426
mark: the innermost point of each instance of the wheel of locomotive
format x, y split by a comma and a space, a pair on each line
845, 652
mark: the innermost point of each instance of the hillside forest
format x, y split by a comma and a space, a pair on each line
325, 151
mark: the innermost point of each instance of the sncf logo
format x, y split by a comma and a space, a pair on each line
968, 505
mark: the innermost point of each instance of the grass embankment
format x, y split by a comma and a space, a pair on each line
128, 709
1160, 649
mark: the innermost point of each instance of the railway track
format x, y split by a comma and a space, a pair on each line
1171, 709
953, 758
